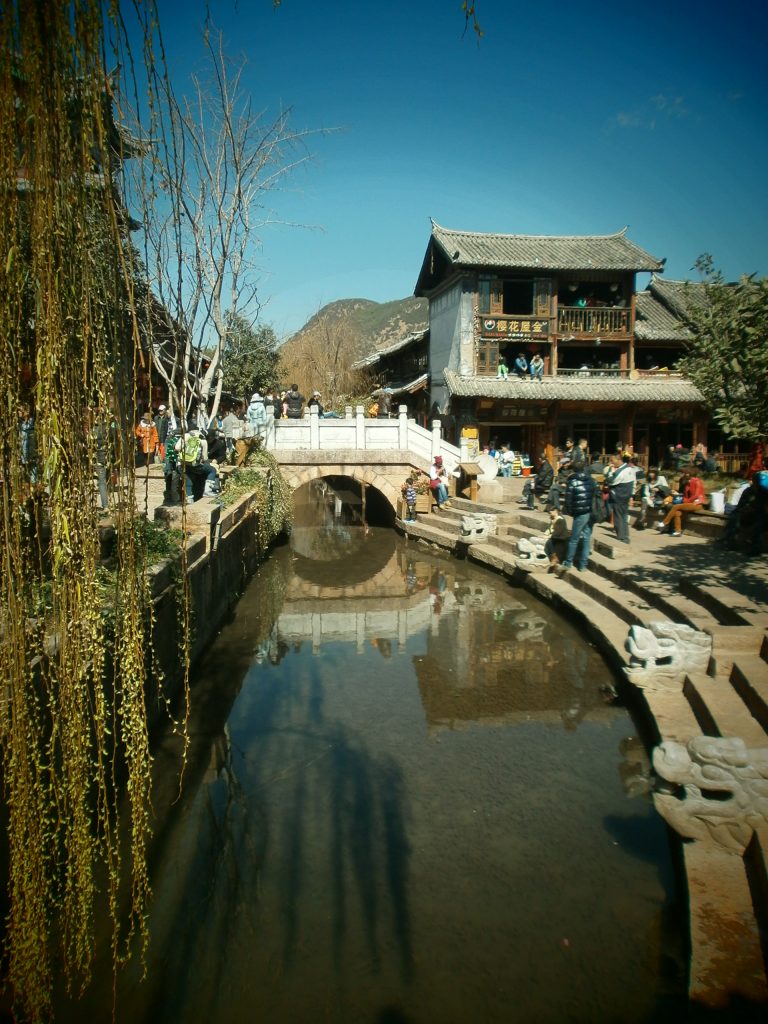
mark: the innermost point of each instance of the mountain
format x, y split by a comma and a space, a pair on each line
369, 326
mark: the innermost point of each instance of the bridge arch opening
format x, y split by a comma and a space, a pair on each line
333, 517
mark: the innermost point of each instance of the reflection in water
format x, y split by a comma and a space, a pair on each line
354, 843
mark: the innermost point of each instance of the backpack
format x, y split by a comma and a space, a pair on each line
599, 511
191, 451
762, 479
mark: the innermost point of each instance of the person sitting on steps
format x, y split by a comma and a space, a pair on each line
438, 483
693, 501
556, 543
541, 484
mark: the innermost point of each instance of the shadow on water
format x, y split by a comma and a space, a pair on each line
211, 838
410, 836
370, 833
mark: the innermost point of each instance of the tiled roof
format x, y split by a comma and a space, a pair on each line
410, 387
655, 322
678, 296
545, 252
575, 389
408, 340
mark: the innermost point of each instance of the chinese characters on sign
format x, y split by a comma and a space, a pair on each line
530, 328
521, 413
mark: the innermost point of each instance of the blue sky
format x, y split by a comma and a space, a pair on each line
565, 119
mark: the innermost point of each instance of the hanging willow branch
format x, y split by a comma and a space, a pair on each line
74, 642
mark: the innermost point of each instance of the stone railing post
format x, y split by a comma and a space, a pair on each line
314, 428
436, 437
359, 428
270, 433
347, 412
402, 424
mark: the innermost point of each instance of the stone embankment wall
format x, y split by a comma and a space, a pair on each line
222, 552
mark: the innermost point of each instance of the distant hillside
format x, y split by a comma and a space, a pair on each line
368, 325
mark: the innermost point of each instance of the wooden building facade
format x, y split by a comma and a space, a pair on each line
608, 352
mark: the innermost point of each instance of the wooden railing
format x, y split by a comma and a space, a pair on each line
730, 462
598, 371
593, 320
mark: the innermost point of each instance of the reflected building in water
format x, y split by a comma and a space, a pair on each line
489, 657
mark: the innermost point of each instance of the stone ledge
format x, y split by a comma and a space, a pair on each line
347, 457
726, 954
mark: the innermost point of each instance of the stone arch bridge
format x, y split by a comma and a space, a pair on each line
375, 452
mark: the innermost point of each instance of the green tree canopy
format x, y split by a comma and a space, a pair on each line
250, 360
728, 356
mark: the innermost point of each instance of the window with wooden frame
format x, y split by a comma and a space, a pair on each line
487, 357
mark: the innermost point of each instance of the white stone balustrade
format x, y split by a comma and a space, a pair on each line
358, 432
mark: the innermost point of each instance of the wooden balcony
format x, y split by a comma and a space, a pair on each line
602, 371
594, 321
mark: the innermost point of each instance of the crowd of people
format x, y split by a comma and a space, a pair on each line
593, 492
194, 451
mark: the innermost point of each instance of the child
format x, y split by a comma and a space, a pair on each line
410, 500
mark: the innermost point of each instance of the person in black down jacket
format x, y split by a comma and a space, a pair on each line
578, 503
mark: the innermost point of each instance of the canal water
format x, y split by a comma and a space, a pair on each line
407, 800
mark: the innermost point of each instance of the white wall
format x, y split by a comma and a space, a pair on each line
451, 337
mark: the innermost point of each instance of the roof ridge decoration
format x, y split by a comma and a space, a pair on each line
436, 228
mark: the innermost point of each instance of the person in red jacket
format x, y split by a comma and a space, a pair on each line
693, 501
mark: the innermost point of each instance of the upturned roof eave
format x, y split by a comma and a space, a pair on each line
448, 242
593, 389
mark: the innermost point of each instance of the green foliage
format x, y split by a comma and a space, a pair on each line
75, 641
728, 358
273, 496
156, 542
250, 359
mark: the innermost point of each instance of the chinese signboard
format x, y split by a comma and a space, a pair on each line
537, 414
492, 327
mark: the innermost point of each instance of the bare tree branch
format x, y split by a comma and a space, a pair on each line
213, 165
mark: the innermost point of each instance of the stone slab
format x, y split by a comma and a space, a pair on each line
726, 955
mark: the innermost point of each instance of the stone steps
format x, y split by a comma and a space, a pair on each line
598, 620
726, 606
725, 936
631, 608
720, 709
749, 677
675, 607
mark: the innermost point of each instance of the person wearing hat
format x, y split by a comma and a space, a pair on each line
256, 415
314, 403
146, 440
438, 482
255, 426
162, 424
